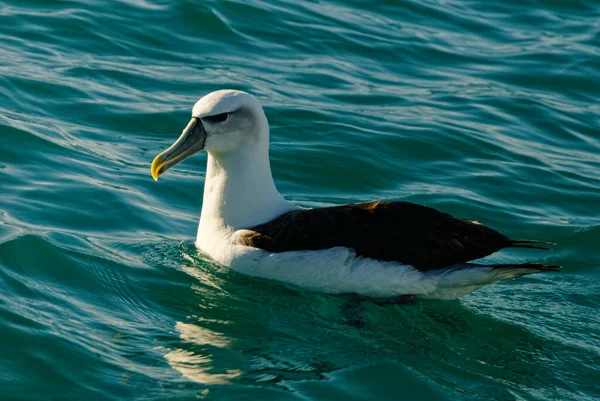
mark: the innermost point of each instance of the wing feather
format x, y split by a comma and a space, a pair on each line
392, 231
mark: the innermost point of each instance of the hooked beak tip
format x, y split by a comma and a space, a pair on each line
157, 167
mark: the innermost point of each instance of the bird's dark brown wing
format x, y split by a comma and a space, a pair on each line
392, 231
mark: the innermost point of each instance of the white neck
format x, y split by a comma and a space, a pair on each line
239, 192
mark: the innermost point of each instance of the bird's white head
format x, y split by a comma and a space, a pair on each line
223, 122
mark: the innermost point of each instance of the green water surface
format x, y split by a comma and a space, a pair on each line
488, 110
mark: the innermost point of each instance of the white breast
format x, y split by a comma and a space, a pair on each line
339, 271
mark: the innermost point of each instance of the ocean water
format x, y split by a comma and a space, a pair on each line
486, 110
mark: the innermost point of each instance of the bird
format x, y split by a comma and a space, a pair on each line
381, 250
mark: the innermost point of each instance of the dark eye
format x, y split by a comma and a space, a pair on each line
217, 118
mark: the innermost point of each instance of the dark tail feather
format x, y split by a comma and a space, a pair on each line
535, 267
524, 243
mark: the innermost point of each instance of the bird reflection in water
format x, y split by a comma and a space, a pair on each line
200, 361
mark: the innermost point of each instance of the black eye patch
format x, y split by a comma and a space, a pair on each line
217, 118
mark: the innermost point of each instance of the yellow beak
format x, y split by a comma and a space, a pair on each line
191, 141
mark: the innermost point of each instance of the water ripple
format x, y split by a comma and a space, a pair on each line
487, 110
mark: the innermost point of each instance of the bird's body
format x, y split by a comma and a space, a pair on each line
378, 249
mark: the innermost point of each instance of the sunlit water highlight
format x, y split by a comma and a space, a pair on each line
486, 110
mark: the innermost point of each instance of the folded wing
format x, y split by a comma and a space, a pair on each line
404, 232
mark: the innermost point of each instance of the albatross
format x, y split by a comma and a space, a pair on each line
380, 250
